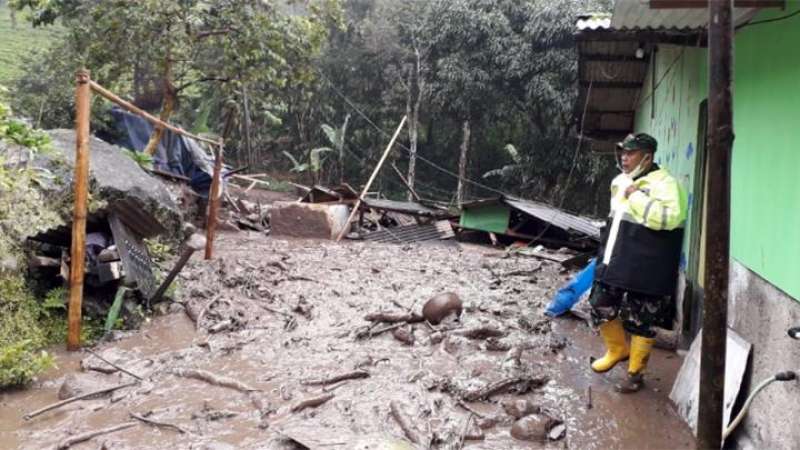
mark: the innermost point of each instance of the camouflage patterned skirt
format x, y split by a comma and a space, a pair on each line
638, 312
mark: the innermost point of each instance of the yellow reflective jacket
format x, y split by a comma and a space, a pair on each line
646, 252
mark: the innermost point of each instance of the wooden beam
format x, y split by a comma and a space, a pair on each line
717, 235
214, 199
83, 100
612, 84
692, 38
371, 179
612, 58
130, 107
703, 4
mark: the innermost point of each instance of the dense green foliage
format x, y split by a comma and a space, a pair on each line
277, 77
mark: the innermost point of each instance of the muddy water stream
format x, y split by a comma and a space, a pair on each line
276, 314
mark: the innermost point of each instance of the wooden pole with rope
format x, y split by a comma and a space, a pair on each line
83, 98
371, 179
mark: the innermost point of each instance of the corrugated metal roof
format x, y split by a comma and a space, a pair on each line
560, 219
411, 208
637, 15
546, 213
594, 22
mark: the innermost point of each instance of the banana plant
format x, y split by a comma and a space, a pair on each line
336, 139
507, 171
316, 159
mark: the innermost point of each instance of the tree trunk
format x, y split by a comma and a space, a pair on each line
247, 137
166, 109
462, 164
413, 103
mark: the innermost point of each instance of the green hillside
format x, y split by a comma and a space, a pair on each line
17, 42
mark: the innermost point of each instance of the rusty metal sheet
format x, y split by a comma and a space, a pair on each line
437, 231
411, 208
134, 256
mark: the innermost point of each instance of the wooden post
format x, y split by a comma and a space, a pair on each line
214, 195
406, 183
371, 179
715, 303
83, 95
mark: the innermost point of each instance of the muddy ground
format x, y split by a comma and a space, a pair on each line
277, 318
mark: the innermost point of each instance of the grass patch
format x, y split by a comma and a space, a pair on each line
18, 42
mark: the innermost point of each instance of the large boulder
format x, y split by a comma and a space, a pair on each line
118, 184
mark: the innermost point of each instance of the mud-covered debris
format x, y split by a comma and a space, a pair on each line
354, 375
76, 384
519, 408
533, 427
404, 335
441, 306
483, 332
496, 345
311, 402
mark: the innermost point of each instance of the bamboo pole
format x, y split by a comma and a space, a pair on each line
213, 202
371, 179
103, 92
83, 96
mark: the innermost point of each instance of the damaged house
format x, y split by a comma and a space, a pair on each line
644, 68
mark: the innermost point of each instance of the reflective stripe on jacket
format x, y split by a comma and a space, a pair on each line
647, 250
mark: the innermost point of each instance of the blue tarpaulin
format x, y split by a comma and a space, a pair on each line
175, 154
571, 293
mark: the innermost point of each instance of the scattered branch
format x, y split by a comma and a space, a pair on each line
159, 424
33, 414
211, 378
312, 402
405, 423
77, 439
357, 374
120, 368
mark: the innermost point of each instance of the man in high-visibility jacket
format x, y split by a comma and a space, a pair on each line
637, 266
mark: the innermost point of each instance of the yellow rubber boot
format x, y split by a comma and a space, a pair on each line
616, 348
640, 354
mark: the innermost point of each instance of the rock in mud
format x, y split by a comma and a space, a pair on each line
538, 427
117, 178
453, 344
533, 427
404, 335
441, 306
519, 408
81, 383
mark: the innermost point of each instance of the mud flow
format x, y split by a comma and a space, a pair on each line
309, 344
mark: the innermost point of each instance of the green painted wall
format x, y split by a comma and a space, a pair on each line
491, 217
765, 210
673, 120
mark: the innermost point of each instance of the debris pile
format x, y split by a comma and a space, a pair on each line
328, 346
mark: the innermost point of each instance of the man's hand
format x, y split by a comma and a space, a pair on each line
631, 189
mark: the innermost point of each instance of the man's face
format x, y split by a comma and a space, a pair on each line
631, 159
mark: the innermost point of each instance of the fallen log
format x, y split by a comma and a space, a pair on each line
394, 317
211, 378
77, 439
311, 402
159, 424
354, 375
526, 384
33, 414
405, 423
